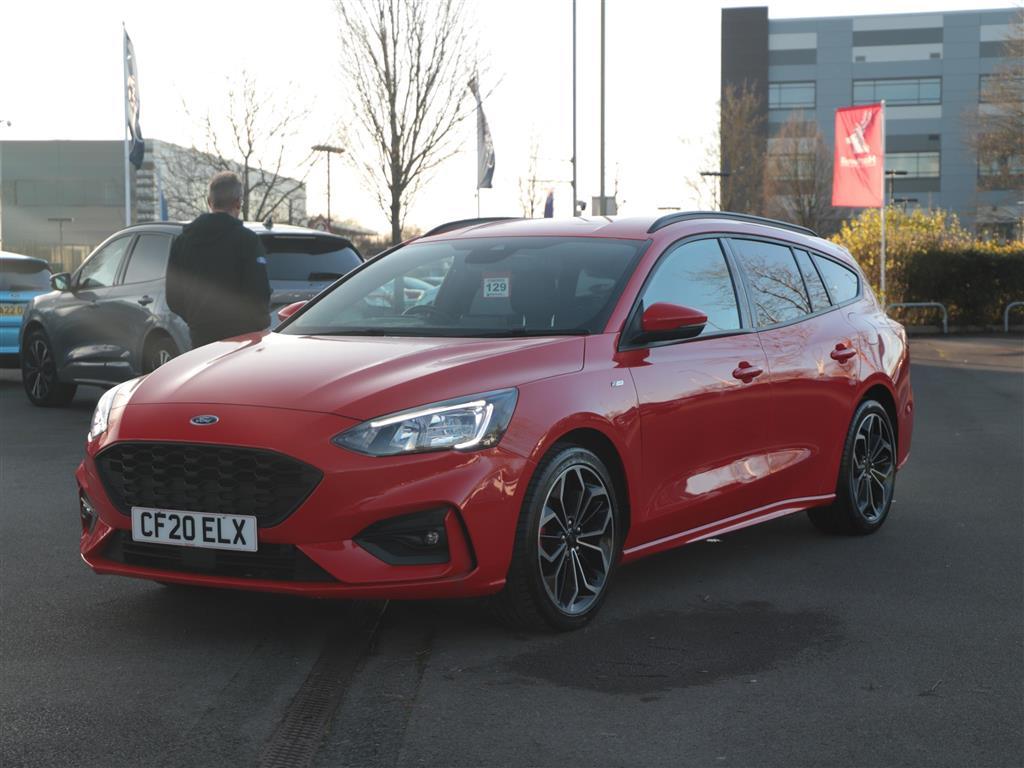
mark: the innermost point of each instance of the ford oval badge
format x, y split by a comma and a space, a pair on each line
205, 420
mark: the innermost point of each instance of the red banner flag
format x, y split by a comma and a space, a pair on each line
858, 173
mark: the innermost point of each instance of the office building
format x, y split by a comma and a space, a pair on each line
59, 199
931, 70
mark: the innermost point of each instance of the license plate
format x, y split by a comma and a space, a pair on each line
194, 529
12, 310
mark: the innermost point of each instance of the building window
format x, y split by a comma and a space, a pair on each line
901, 92
918, 165
791, 95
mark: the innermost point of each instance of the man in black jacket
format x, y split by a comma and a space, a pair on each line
217, 272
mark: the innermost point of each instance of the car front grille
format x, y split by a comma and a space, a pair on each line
274, 562
206, 478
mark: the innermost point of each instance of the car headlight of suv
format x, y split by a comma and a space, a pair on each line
115, 396
463, 424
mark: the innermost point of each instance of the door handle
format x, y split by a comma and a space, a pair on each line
746, 372
146, 300
842, 352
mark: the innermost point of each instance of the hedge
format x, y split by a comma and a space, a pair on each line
975, 284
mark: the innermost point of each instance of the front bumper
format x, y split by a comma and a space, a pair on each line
482, 492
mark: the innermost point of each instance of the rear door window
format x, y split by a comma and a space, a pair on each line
842, 282
100, 270
777, 289
24, 275
308, 259
812, 280
696, 275
149, 259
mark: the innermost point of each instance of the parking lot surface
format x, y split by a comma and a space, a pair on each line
773, 646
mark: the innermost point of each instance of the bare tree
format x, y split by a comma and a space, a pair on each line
798, 175
733, 162
743, 139
530, 193
996, 131
408, 63
252, 137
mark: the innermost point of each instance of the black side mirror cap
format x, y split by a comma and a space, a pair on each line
61, 281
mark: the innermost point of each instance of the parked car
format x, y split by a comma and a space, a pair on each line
21, 279
109, 321
577, 395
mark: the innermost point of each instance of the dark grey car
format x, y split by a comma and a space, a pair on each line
109, 320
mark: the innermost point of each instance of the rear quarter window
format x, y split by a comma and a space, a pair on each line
842, 282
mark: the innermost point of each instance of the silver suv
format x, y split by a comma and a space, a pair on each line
109, 321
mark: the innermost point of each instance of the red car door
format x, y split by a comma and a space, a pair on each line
703, 401
812, 357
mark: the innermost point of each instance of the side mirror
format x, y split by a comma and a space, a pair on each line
670, 322
61, 281
285, 312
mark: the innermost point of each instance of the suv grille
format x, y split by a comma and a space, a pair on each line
206, 478
275, 562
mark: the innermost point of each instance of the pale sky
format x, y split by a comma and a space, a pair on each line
62, 79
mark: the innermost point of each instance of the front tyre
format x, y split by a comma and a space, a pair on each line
159, 351
39, 372
567, 544
867, 476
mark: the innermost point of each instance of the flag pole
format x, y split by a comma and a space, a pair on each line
479, 149
127, 181
881, 270
575, 195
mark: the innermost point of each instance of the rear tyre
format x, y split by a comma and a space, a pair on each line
867, 476
567, 544
39, 373
159, 350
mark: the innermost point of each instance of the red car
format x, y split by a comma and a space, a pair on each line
563, 397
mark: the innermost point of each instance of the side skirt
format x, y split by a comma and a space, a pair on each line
726, 525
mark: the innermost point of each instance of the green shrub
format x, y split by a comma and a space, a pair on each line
975, 284
930, 257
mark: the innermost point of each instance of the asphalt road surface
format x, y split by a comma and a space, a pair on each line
774, 646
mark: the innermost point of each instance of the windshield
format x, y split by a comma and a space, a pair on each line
480, 287
24, 275
308, 259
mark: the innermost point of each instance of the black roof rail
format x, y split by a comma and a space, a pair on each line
460, 223
673, 218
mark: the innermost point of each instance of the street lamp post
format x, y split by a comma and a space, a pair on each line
328, 150
718, 175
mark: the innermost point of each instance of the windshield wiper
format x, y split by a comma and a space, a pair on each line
514, 332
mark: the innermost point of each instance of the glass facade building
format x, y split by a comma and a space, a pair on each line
932, 69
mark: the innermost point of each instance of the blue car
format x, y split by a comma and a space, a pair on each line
21, 278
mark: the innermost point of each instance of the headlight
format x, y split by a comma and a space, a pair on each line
115, 395
466, 423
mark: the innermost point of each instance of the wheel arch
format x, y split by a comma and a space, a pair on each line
879, 391
598, 443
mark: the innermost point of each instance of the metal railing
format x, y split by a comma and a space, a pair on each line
936, 304
1006, 314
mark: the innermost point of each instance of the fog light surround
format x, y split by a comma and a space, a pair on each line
420, 538
87, 513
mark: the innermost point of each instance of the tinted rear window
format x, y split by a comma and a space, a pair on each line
308, 259
842, 283
775, 282
18, 275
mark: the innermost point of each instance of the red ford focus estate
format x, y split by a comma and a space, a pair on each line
511, 408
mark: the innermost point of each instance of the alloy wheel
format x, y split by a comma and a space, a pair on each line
576, 539
40, 370
873, 469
